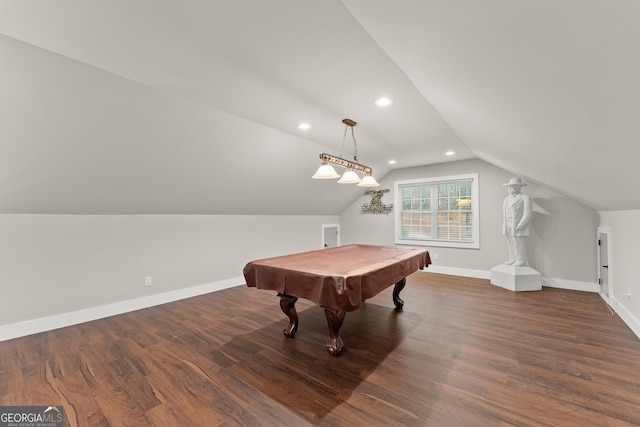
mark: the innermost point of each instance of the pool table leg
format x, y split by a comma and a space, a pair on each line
334, 321
399, 286
288, 306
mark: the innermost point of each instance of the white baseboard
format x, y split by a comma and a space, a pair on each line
546, 281
29, 327
455, 271
627, 317
571, 284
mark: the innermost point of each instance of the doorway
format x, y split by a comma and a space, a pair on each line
604, 261
330, 235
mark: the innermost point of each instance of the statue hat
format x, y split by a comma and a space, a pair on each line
515, 181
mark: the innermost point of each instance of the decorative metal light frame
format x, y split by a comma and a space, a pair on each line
345, 163
326, 171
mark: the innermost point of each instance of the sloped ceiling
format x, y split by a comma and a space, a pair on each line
123, 107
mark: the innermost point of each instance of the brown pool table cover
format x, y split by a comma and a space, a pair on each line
340, 278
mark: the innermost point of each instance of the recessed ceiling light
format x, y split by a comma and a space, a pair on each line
450, 153
304, 126
392, 162
383, 102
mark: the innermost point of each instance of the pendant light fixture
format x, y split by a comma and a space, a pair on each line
326, 170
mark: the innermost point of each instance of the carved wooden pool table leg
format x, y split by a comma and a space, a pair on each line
334, 321
288, 306
399, 286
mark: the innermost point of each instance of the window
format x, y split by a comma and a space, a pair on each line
438, 211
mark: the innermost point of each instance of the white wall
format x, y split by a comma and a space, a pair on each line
624, 242
53, 265
75, 139
562, 244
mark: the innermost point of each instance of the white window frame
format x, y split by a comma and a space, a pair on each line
473, 243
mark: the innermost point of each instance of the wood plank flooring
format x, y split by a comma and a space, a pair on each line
461, 353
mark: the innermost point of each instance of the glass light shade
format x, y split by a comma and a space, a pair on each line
350, 177
369, 181
326, 171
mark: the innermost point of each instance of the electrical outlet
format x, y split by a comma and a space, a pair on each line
434, 256
148, 281
629, 292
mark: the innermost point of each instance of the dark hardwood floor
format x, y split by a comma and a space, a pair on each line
461, 353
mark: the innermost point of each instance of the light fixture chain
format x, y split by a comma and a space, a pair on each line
344, 138
355, 146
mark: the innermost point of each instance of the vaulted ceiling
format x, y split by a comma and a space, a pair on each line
127, 107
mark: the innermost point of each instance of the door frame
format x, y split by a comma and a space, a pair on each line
609, 282
324, 227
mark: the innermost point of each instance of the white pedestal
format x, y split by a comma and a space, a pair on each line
516, 278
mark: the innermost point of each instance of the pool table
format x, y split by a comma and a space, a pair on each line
339, 279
